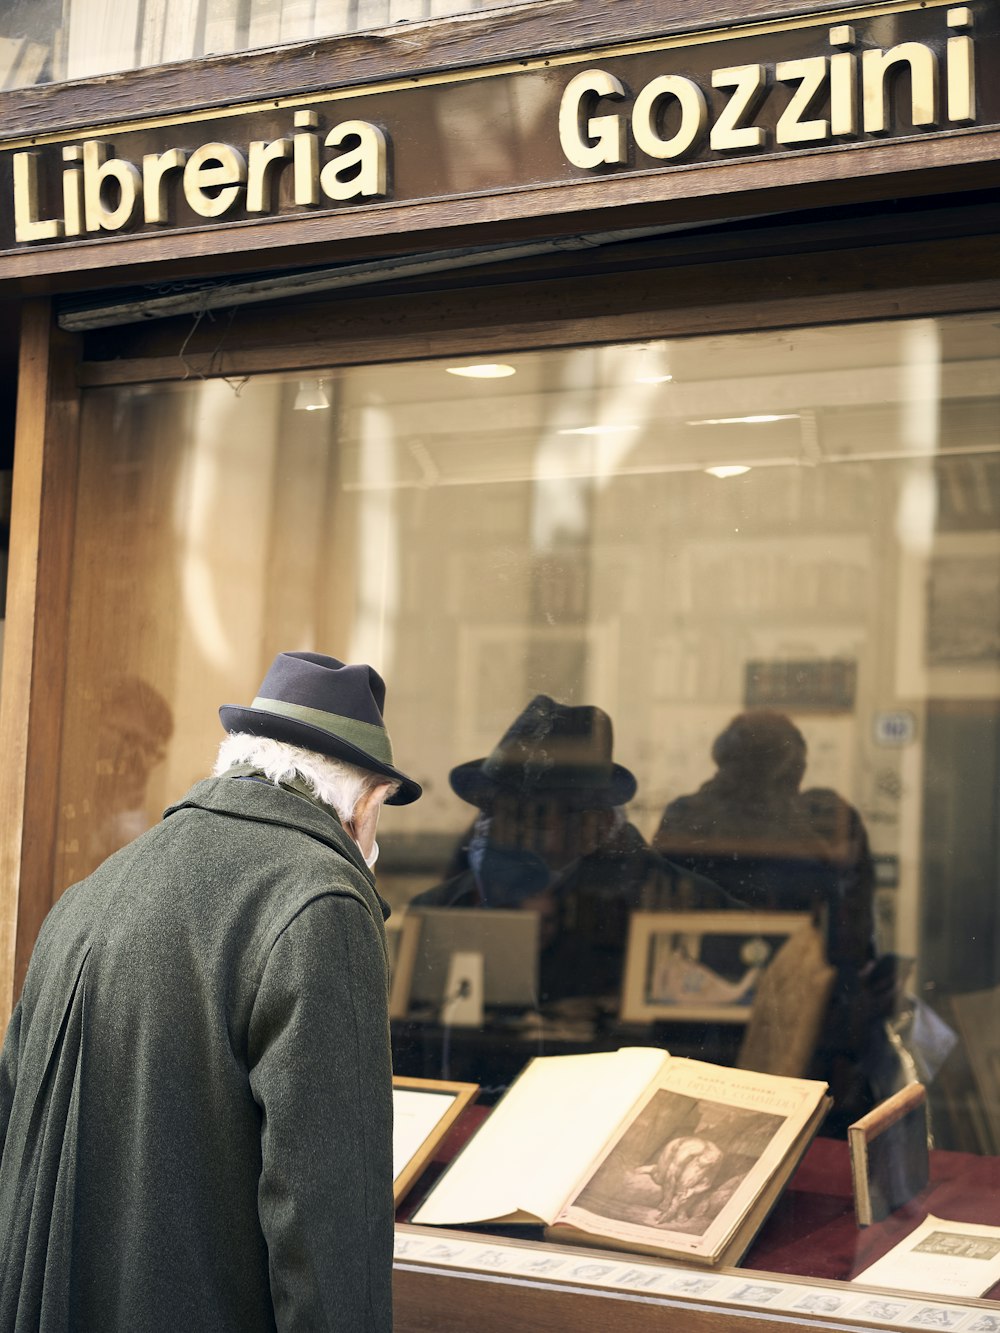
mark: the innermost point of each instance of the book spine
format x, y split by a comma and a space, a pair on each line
858, 1145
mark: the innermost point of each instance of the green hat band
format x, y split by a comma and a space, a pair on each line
365, 735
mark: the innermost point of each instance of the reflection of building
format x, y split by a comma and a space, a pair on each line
810, 297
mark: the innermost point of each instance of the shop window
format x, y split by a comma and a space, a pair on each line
51, 40
704, 625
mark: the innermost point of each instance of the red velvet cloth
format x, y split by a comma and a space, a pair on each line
812, 1231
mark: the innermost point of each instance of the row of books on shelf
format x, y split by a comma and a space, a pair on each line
104, 36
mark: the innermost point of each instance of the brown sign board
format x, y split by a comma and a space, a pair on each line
898, 70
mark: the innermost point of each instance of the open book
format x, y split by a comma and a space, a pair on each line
634, 1149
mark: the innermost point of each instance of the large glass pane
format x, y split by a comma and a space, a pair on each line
46, 40
698, 626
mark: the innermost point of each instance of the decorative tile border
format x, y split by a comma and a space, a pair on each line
649, 1277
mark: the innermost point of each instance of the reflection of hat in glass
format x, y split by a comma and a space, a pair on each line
549, 750
762, 745
323, 705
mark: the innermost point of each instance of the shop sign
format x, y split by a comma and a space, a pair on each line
889, 71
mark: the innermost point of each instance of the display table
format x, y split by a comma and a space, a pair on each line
811, 1234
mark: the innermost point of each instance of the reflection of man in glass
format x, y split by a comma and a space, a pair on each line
751, 829
551, 836
134, 728
119, 736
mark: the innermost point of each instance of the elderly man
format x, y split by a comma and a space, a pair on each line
195, 1088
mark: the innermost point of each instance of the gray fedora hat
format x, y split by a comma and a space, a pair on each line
324, 705
549, 750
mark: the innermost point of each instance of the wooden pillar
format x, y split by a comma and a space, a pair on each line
34, 664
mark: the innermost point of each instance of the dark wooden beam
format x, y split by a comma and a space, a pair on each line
483, 38
34, 659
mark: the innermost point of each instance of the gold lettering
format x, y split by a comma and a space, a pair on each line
98, 170
843, 83
260, 181
367, 161
72, 189
601, 140
749, 81
876, 66
961, 68
306, 161
811, 74
155, 168
214, 166
28, 226
645, 115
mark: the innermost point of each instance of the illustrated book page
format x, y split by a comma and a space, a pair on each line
699, 1164
556, 1117
940, 1258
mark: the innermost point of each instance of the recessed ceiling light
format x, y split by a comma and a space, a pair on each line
311, 396
600, 430
486, 370
728, 470
762, 420
653, 379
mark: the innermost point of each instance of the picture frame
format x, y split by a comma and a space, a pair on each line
403, 942
976, 1015
890, 1154
699, 966
424, 1110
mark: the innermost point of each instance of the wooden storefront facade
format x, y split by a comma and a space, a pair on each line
698, 202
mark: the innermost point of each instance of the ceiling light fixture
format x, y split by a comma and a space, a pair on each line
653, 379
762, 420
600, 430
728, 470
487, 370
311, 396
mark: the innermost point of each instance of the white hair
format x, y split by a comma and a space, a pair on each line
337, 784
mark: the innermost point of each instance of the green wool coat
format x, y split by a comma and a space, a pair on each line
195, 1088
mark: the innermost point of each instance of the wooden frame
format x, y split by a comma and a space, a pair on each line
977, 1015
401, 966
420, 1153
961, 160
654, 963
42, 524
890, 1154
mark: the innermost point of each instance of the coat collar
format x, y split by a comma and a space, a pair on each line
240, 796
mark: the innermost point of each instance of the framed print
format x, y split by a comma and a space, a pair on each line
699, 966
423, 1109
